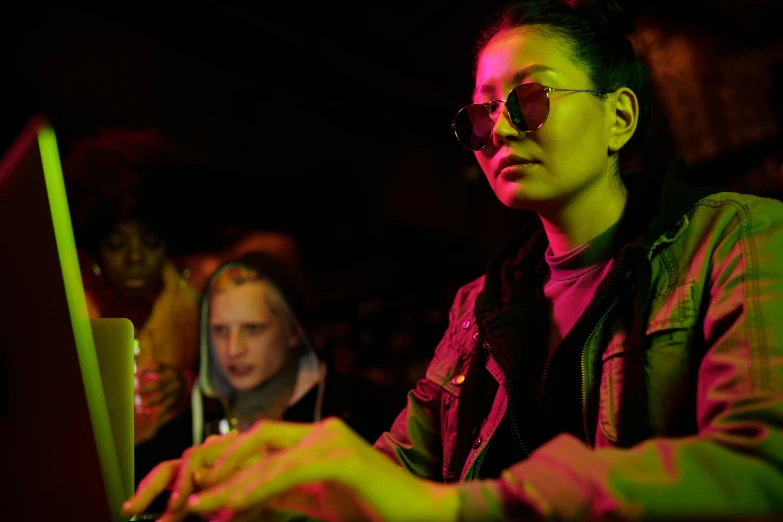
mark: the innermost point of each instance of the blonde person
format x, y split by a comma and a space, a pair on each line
257, 359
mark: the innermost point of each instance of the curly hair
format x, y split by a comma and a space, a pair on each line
116, 176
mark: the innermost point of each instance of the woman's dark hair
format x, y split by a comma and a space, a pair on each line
117, 176
596, 31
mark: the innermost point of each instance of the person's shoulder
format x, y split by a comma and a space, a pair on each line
739, 200
465, 298
176, 285
723, 209
472, 287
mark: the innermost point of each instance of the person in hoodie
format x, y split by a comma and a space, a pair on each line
621, 358
257, 360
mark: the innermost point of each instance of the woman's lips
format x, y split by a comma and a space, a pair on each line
516, 170
135, 282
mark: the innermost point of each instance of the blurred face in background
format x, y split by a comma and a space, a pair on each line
251, 331
132, 258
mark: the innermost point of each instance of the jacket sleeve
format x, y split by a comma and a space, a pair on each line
733, 466
414, 441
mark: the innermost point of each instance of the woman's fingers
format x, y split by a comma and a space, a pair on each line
330, 474
155, 483
165, 399
264, 435
195, 460
159, 381
277, 475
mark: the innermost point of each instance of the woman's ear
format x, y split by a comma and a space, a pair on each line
625, 116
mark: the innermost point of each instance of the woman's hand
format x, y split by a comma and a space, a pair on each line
161, 388
322, 470
181, 476
161, 396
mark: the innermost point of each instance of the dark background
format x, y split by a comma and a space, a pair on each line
330, 121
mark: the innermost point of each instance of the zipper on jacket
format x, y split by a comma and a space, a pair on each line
582, 320
584, 372
479, 460
508, 384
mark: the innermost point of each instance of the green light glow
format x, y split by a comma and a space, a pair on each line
77, 305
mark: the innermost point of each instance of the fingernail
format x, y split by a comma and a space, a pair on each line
173, 499
126, 505
193, 500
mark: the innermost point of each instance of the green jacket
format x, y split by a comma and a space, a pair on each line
681, 370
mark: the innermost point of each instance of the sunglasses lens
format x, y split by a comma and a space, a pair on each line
473, 126
528, 106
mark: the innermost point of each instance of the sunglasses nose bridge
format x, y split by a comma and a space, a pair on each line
503, 123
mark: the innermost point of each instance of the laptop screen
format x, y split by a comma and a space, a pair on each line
54, 422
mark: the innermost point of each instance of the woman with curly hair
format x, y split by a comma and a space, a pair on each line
118, 202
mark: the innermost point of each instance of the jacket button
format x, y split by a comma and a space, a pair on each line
466, 325
475, 336
458, 380
477, 443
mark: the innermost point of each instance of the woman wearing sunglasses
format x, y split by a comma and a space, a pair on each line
621, 358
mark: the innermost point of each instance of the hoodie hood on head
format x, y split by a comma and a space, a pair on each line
212, 381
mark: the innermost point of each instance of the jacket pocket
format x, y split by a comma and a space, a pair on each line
448, 369
452, 356
669, 334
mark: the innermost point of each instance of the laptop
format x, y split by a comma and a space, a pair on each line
66, 412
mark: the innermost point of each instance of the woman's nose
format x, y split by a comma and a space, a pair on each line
503, 131
135, 252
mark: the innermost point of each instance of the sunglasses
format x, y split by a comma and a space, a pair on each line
527, 106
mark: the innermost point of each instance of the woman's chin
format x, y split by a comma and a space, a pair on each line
526, 198
522, 200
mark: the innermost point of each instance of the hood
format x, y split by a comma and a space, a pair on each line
212, 381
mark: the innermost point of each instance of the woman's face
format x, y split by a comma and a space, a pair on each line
568, 155
132, 258
252, 340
